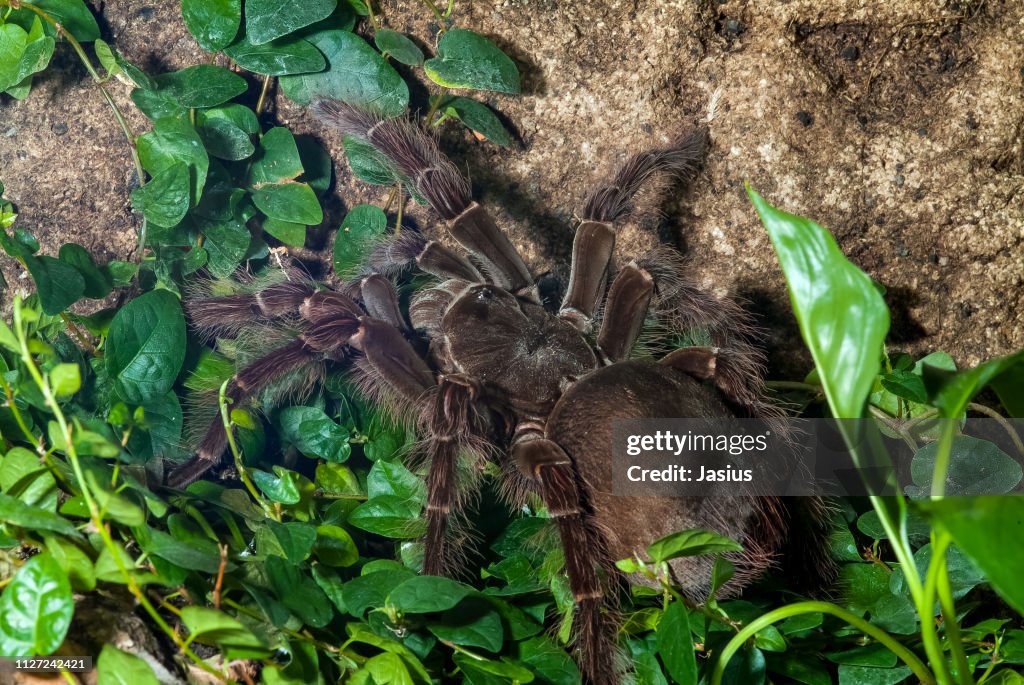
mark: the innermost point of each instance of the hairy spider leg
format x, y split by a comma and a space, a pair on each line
625, 311
594, 242
215, 317
432, 175
552, 473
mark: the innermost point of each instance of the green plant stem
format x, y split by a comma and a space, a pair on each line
261, 102
949, 619
799, 608
243, 473
118, 115
94, 512
435, 104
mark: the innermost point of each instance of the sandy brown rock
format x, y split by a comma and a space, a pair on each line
897, 125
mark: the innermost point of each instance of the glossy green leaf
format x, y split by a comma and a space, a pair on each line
398, 46
299, 592
35, 609
688, 543
988, 530
164, 200
197, 554
14, 512
146, 346
551, 664
389, 516
468, 60
335, 547
976, 467
370, 591
277, 58
73, 16
368, 164
314, 433
114, 667
266, 20
951, 392
281, 486
204, 85
213, 23
842, 316
362, 228
285, 231
98, 282
226, 244
173, 141
58, 284
866, 675
65, 379
224, 139
479, 118
75, 562
424, 594
356, 73
675, 644
13, 40
293, 540
212, 627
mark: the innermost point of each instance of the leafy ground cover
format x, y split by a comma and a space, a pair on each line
307, 563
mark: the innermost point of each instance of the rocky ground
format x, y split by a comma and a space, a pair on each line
898, 125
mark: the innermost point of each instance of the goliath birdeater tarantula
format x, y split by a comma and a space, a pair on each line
488, 373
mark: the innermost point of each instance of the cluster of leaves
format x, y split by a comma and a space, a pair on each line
312, 567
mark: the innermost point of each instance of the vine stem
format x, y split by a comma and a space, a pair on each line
243, 473
799, 608
94, 512
98, 80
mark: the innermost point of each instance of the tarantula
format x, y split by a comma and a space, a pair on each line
487, 372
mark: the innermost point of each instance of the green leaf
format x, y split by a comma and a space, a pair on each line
675, 644
212, 627
478, 671
224, 138
115, 667
951, 392
65, 379
866, 675
213, 23
314, 433
13, 40
281, 487
14, 512
73, 16
549, 662
173, 141
35, 609
266, 20
74, 561
360, 231
293, 541
299, 592
988, 530
424, 594
288, 201
97, 282
318, 168
398, 46
58, 284
356, 74
164, 199
905, 384
370, 591
479, 118
689, 543
391, 478
842, 316
468, 60
976, 467
24, 476
203, 85
389, 516
146, 346
335, 547
277, 58
226, 244
1009, 387
335, 479
197, 554
367, 163
277, 159
474, 623
285, 231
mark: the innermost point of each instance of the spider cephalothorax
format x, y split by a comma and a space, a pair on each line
488, 371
